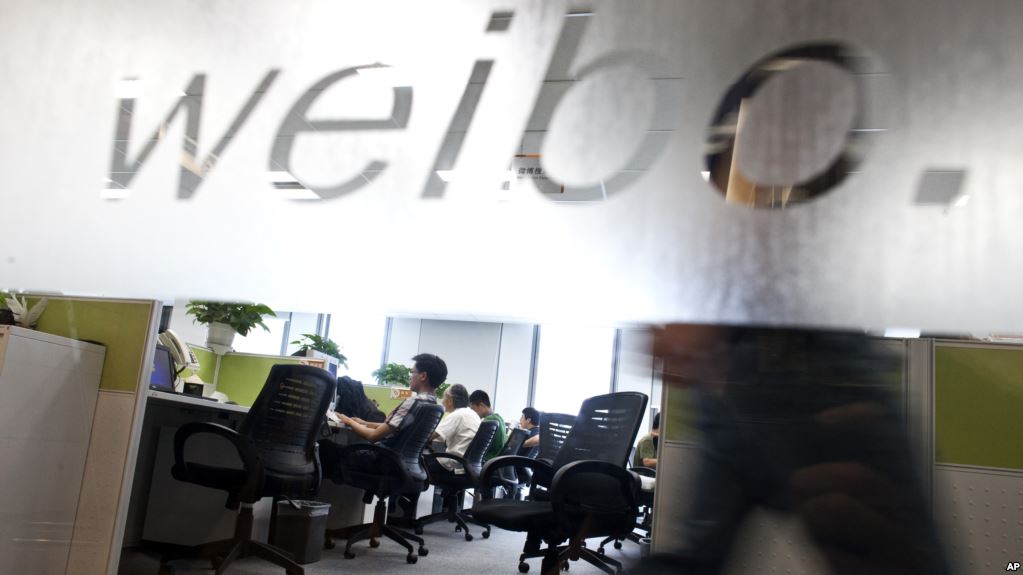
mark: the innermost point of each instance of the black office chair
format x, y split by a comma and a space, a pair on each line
511, 484
590, 499
554, 428
386, 471
453, 485
277, 446
644, 524
604, 432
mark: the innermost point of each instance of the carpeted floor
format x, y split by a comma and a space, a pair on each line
449, 553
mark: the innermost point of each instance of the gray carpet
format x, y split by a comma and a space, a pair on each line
449, 553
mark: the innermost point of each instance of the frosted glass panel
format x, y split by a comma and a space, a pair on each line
573, 363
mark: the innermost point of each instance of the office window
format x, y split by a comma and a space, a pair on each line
261, 341
573, 363
361, 339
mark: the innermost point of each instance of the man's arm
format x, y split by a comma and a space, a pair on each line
532, 441
650, 462
360, 421
371, 434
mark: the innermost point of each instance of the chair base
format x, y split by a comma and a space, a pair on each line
460, 519
222, 553
374, 531
556, 558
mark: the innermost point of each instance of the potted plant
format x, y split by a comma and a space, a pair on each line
226, 319
20, 312
393, 374
6, 315
322, 345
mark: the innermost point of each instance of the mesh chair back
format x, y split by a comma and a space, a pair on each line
554, 428
511, 447
479, 445
515, 440
285, 419
410, 443
605, 429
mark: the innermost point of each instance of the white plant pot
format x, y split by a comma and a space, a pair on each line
219, 335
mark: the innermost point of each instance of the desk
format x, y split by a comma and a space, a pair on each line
164, 510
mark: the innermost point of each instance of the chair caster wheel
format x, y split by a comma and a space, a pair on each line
486, 534
600, 550
618, 544
411, 559
423, 551
564, 566
458, 529
374, 543
418, 530
523, 567
349, 555
468, 536
328, 543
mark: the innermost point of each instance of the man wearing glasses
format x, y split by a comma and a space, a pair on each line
428, 372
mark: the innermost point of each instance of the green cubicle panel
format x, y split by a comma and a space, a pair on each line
242, 375
120, 325
381, 394
678, 418
978, 398
207, 363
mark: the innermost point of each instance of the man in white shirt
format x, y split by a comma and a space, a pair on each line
459, 426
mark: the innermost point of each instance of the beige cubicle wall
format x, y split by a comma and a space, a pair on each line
126, 328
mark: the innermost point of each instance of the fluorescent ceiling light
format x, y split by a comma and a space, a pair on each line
114, 193
706, 176
452, 175
902, 332
962, 200
128, 89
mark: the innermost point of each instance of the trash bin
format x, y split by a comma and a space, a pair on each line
300, 531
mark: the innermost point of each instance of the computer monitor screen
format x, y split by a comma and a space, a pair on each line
163, 370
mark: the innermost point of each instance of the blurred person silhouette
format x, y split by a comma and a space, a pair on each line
804, 422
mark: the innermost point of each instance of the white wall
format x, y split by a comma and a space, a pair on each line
470, 350
404, 340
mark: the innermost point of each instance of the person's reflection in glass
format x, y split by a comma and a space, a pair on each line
807, 423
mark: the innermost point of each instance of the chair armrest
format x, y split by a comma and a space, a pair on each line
571, 497
646, 471
542, 472
427, 457
251, 461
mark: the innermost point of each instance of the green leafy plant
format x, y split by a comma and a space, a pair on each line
441, 388
321, 344
242, 317
393, 374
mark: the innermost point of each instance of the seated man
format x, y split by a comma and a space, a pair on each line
646, 449
428, 372
479, 402
458, 427
530, 421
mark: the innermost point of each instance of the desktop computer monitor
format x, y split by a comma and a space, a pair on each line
163, 376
